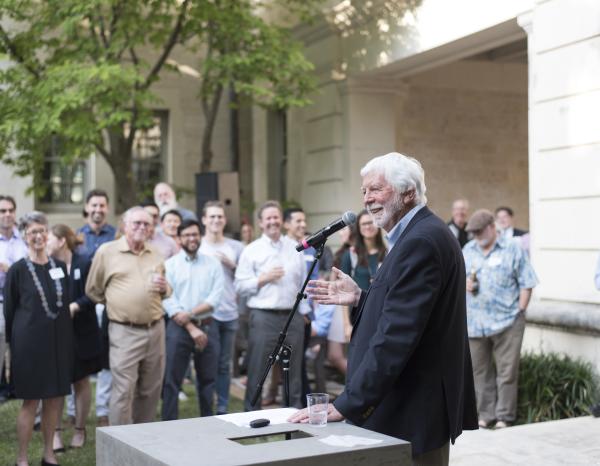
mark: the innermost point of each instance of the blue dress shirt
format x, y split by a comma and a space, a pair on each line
93, 240
393, 236
194, 281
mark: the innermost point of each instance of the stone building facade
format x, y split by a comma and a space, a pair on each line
501, 103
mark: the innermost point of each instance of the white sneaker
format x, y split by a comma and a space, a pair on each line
183, 396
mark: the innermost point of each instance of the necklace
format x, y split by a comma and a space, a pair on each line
40, 290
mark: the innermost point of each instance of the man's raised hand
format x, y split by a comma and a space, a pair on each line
340, 289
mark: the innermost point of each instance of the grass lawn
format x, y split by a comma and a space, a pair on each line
80, 457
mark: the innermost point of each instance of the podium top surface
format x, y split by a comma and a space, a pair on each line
212, 441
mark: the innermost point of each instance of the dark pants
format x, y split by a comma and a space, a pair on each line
264, 330
179, 348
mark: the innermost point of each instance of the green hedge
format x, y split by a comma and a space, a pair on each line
553, 386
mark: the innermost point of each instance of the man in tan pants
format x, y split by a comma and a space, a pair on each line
128, 276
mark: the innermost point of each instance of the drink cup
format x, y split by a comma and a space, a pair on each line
153, 279
317, 409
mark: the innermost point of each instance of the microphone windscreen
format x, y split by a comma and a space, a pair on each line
349, 218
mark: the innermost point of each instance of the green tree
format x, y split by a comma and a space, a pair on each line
82, 72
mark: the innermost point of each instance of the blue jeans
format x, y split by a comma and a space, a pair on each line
226, 332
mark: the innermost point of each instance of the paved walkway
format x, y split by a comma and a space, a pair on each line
567, 442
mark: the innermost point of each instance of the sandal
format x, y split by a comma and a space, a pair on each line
79, 434
57, 443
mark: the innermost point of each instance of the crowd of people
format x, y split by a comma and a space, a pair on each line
132, 304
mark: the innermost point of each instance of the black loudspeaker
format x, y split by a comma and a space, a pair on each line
224, 187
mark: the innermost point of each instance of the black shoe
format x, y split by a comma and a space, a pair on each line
37, 426
45, 463
595, 409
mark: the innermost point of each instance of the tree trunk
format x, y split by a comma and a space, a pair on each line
120, 162
210, 110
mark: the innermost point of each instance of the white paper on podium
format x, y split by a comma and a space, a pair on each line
348, 440
276, 416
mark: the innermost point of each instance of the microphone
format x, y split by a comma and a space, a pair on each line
314, 240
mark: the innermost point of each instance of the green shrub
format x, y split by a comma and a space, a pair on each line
553, 386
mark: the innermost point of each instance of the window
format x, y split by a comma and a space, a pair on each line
149, 154
64, 183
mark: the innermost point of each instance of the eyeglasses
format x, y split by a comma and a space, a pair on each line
137, 224
7, 211
32, 233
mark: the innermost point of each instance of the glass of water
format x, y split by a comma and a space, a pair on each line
317, 408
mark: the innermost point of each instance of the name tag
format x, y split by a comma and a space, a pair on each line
495, 261
56, 273
77, 274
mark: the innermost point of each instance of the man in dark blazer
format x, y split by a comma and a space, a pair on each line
409, 367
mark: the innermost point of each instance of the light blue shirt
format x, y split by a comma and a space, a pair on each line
597, 277
502, 273
194, 281
11, 250
393, 236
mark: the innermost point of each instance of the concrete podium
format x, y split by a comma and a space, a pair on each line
216, 442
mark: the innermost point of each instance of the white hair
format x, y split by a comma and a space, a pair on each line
133, 210
401, 172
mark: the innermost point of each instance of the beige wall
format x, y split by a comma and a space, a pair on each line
565, 147
467, 124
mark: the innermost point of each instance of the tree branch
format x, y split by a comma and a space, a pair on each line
103, 30
168, 46
100, 148
14, 53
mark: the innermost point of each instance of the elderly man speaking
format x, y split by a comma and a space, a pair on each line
409, 367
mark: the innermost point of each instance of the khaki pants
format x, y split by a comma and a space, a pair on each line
496, 372
137, 363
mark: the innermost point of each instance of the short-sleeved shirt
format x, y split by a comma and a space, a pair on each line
93, 240
122, 279
502, 273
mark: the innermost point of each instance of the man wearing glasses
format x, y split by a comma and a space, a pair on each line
12, 248
128, 276
197, 281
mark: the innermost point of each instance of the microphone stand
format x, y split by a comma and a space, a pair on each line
282, 351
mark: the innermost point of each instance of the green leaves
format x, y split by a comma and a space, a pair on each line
83, 71
554, 387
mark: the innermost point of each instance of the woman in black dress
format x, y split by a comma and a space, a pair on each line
62, 245
40, 333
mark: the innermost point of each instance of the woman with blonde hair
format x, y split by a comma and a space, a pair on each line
62, 245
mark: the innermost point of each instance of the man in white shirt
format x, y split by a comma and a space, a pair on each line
270, 273
12, 248
226, 315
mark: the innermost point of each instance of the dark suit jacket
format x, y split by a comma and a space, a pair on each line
518, 232
409, 365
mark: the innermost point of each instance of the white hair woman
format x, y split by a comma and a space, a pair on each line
40, 334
